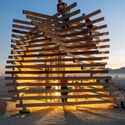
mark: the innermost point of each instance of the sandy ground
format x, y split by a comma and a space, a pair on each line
57, 116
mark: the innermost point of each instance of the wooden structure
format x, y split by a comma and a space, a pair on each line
49, 52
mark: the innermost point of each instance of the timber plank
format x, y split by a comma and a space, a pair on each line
52, 66
64, 103
22, 21
54, 90
55, 72
59, 78
61, 54
37, 14
55, 60
23, 27
56, 84
59, 97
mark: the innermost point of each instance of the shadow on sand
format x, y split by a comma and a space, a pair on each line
71, 119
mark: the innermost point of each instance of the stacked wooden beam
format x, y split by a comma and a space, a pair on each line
49, 52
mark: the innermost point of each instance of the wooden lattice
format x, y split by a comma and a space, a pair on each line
52, 56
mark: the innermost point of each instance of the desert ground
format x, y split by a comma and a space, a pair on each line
57, 115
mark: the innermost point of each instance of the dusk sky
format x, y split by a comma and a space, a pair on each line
112, 10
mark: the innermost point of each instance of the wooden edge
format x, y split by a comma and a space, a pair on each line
56, 90
64, 103
57, 84
54, 60
22, 22
55, 72
60, 97
36, 14
55, 78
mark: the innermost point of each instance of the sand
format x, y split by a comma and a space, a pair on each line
57, 116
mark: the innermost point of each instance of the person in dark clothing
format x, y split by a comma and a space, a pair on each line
122, 105
47, 81
89, 26
61, 6
64, 87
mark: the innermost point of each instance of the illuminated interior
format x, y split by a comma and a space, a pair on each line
46, 59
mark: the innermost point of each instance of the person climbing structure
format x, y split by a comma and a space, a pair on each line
89, 26
61, 6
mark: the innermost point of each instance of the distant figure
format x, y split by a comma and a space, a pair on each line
89, 26
76, 86
61, 6
122, 105
107, 81
64, 87
47, 81
116, 76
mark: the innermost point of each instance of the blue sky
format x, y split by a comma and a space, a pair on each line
112, 10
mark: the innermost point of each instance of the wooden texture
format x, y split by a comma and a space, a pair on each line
48, 53
64, 103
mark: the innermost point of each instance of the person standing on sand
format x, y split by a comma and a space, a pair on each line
64, 89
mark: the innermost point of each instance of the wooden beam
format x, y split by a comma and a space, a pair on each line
36, 91
57, 84
18, 42
61, 54
56, 72
57, 78
22, 22
40, 21
23, 27
64, 103
19, 31
55, 60
58, 65
37, 14
60, 97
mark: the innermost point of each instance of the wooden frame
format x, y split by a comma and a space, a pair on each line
50, 52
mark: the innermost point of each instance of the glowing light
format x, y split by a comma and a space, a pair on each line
57, 93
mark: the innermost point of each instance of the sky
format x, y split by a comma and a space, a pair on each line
112, 10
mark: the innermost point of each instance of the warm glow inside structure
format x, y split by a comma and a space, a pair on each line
49, 52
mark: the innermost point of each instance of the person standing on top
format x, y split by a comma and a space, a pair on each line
90, 26
61, 6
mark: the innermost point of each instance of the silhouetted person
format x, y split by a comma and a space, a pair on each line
107, 80
47, 81
61, 6
89, 26
63, 88
122, 105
